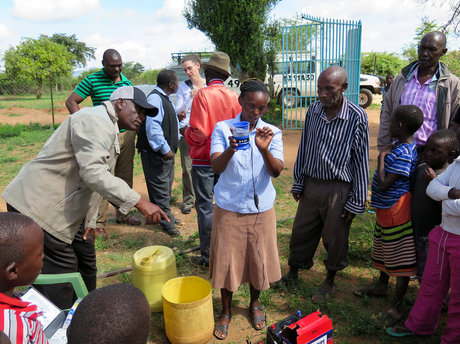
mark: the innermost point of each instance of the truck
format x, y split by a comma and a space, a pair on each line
299, 86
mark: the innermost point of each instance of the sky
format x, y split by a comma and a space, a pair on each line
148, 31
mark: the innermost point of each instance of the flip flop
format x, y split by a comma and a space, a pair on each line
371, 290
399, 331
257, 319
222, 328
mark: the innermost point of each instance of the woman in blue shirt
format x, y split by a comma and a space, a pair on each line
243, 241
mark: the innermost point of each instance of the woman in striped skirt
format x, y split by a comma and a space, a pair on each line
394, 249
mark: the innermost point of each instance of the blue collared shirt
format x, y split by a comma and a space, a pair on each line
245, 171
153, 128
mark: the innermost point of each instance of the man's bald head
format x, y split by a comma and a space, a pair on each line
337, 73
432, 46
111, 60
110, 54
332, 83
438, 36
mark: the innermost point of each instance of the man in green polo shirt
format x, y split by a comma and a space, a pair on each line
99, 86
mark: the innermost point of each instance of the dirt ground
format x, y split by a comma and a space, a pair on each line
291, 139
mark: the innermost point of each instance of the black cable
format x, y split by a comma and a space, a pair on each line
256, 202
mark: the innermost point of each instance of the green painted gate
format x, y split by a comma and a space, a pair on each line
309, 49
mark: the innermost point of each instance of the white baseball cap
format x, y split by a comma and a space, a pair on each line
137, 96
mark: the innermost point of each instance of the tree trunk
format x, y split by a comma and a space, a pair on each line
38, 93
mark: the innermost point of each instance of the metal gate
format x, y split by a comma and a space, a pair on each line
307, 51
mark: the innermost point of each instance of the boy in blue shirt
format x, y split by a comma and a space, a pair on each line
394, 250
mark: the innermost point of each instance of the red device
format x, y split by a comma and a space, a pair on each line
312, 329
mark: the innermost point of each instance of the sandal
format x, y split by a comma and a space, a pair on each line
258, 319
222, 328
371, 290
399, 331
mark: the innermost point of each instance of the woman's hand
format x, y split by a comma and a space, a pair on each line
263, 138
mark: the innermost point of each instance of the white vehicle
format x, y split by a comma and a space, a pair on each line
299, 85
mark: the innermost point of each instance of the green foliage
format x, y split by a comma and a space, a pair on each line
16, 85
147, 77
81, 52
272, 46
8, 130
452, 61
385, 63
132, 70
36, 59
85, 73
235, 27
426, 26
274, 113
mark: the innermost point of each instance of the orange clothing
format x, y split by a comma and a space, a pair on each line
210, 105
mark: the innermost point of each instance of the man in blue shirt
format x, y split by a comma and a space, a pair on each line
157, 144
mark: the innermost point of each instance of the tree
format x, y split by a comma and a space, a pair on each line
132, 70
235, 27
452, 61
426, 26
272, 48
453, 23
82, 53
384, 63
149, 76
36, 59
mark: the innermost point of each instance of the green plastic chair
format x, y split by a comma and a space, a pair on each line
74, 278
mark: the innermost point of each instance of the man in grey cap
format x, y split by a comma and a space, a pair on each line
210, 105
57, 188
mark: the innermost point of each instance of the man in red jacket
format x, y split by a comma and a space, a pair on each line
211, 104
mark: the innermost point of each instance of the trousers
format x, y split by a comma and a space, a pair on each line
188, 194
159, 176
60, 258
123, 169
204, 180
442, 271
319, 217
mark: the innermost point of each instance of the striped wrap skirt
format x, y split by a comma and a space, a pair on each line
394, 245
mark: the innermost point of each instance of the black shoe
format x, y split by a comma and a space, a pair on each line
172, 231
186, 209
288, 280
201, 261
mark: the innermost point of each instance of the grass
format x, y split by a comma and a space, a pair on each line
29, 101
19, 144
355, 320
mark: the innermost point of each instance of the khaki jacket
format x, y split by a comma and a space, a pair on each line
55, 188
447, 100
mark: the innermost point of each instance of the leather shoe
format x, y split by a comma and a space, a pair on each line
186, 209
172, 231
201, 261
130, 221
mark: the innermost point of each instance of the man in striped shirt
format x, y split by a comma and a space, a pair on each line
99, 86
330, 179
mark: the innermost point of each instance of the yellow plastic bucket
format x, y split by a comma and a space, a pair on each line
187, 308
153, 266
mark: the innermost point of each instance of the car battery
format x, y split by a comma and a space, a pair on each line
296, 329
